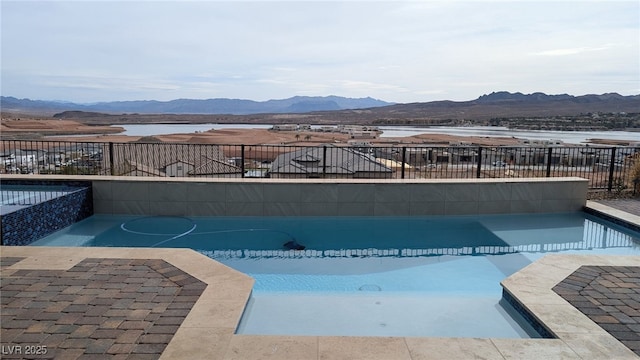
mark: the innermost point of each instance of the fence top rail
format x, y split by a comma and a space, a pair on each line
56, 177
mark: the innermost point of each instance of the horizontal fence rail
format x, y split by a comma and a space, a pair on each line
606, 168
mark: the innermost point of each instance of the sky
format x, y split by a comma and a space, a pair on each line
397, 51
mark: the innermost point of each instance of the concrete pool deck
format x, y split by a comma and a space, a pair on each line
179, 304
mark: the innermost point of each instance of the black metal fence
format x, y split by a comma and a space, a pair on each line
608, 168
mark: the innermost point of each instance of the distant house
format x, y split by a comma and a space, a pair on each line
137, 169
172, 160
359, 143
24, 160
363, 134
291, 127
536, 142
394, 164
328, 161
285, 127
215, 168
359, 131
178, 168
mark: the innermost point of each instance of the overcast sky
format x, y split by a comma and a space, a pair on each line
90, 51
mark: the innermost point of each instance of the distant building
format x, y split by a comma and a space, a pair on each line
285, 127
536, 142
363, 134
359, 143
172, 160
328, 161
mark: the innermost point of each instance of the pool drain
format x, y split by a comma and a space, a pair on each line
370, 287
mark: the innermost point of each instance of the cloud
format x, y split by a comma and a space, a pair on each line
568, 51
401, 51
359, 85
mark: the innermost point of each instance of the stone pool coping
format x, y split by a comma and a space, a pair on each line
208, 329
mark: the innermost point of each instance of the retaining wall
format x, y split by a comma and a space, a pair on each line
245, 197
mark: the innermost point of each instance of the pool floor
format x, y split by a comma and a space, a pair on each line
381, 314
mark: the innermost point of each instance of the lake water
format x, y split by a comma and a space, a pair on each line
570, 137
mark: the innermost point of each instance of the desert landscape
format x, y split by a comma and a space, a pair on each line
69, 130
38, 127
32, 120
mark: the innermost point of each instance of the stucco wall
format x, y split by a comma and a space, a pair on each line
279, 197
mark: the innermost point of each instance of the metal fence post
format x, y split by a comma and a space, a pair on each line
242, 160
478, 172
549, 162
611, 168
404, 159
324, 160
112, 170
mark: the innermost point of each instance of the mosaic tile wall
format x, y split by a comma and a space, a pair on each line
24, 226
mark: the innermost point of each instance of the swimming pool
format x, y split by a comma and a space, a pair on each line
369, 276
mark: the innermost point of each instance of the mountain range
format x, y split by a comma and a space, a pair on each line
501, 107
296, 104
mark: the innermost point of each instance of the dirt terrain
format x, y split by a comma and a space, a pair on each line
43, 129
38, 127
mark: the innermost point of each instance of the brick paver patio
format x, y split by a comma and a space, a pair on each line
608, 295
632, 206
100, 308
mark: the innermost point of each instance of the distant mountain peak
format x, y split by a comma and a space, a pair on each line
518, 96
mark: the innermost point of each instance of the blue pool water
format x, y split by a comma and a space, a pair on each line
382, 276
